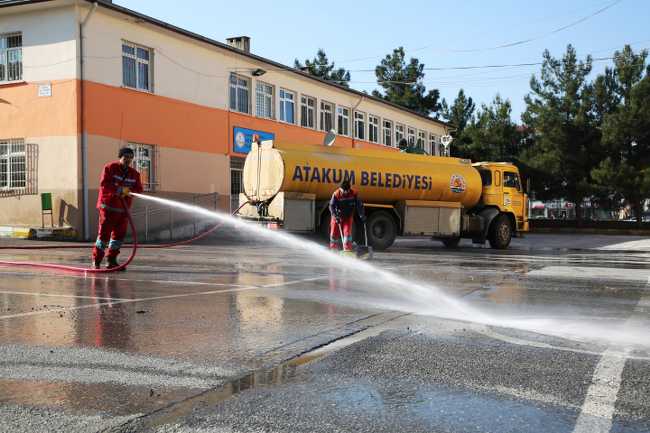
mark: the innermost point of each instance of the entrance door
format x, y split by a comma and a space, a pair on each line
236, 181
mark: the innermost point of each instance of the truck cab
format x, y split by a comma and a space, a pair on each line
502, 189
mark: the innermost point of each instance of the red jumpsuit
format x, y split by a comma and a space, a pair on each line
342, 206
112, 215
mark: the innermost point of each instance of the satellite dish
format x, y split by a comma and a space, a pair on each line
329, 139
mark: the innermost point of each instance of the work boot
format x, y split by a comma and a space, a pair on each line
112, 263
96, 264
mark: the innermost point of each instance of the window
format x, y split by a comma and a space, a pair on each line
239, 94
410, 136
145, 162
433, 149
236, 181
326, 116
388, 133
307, 112
11, 57
264, 100
422, 139
399, 134
13, 164
486, 176
359, 125
287, 106
373, 128
136, 67
343, 120
511, 180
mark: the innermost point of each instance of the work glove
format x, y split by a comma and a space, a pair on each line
337, 219
363, 218
123, 191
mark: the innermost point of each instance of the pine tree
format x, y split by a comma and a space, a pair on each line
567, 140
626, 131
402, 83
321, 67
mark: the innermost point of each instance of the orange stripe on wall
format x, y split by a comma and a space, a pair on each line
25, 114
132, 115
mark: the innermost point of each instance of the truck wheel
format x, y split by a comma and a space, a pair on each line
500, 232
382, 230
451, 242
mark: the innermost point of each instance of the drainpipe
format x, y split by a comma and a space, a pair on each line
84, 139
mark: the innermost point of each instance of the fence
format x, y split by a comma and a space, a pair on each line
155, 222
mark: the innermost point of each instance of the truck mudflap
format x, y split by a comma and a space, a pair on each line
487, 216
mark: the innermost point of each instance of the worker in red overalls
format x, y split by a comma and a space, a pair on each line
118, 180
343, 205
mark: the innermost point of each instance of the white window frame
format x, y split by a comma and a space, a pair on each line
400, 133
11, 152
146, 154
421, 140
138, 62
360, 125
284, 101
432, 144
308, 112
410, 136
235, 89
264, 100
343, 120
388, 129
373, 126
323, 112
6, 54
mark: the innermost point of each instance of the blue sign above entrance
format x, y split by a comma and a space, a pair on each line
242, 138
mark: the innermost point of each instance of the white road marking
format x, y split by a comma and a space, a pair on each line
126, 301
577, 272
598, 408
157, 298
54, 295
599, 405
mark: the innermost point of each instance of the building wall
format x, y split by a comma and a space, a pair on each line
48, 124
185, 116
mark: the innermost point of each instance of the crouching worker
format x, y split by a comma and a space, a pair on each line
343, 205
118, 180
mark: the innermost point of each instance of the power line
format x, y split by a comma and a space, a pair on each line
504, 45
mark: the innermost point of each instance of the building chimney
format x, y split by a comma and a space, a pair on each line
241, 43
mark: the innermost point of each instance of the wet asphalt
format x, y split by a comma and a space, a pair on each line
237, 336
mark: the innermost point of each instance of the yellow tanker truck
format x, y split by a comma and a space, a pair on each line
404, 194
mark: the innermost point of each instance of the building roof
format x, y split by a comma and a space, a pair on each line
109, 5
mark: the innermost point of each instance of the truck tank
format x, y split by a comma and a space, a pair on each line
379, 176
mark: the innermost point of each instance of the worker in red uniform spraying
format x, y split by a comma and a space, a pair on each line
118, 180
343, 205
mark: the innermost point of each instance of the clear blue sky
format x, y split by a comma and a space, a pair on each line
439, 33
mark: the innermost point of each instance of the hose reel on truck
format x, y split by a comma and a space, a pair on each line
404, 194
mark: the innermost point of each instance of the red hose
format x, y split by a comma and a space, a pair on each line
84, 270
134, 247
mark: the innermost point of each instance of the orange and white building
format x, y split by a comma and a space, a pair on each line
79, 79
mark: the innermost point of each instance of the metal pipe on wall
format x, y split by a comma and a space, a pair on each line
84, 139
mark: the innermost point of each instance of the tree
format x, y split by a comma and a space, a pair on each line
321, 67
402, 83
460, 113
567, 140
626, 133
492, 136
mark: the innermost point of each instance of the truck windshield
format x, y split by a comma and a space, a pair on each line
486, 177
